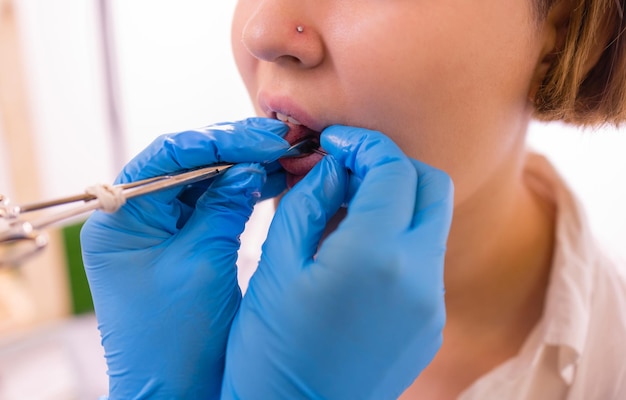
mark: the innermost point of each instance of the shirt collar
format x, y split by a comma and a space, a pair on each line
566, 313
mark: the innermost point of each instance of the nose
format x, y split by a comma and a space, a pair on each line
280, 32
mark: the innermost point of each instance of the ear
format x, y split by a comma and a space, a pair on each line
553, 31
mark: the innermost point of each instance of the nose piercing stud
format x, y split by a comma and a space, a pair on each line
300, 29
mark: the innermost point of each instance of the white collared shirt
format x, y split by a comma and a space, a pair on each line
578, 349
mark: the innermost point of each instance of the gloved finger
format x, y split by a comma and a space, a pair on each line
190, 193
434, 202
157, 223
127, 225
272, 167
388, 179
250, 140
276, 181
211, 235
275, 185
301, 217
354, 182
427, 238
255, 139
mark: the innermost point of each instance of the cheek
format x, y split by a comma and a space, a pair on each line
410, 95
453, 96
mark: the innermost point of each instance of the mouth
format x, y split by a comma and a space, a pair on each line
298, 167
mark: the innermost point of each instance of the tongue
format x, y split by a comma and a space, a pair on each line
298, 132
297, 167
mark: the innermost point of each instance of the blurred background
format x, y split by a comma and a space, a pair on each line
85, 85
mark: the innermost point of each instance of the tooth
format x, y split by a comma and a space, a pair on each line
286, 118
293, 121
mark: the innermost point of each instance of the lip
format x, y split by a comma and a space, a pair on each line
296, 167
270, 105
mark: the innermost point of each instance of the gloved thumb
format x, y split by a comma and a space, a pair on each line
301, 218
212, 231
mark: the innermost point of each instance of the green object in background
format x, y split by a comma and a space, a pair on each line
80, 293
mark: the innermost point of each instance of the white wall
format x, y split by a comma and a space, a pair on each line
5, 181
63, 67
594, 165
176, 68
175, 72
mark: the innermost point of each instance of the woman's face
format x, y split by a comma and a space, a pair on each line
447, 80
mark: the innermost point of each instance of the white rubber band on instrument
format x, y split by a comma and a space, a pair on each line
111, 198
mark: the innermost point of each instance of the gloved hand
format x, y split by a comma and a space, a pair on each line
162, 273
360, 317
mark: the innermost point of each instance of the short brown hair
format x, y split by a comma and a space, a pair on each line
575, 91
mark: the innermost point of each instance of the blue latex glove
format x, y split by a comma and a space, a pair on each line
162, 273
363, 317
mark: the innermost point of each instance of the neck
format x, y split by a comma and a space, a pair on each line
499, 256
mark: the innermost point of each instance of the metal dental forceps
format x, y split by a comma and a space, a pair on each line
21, 238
